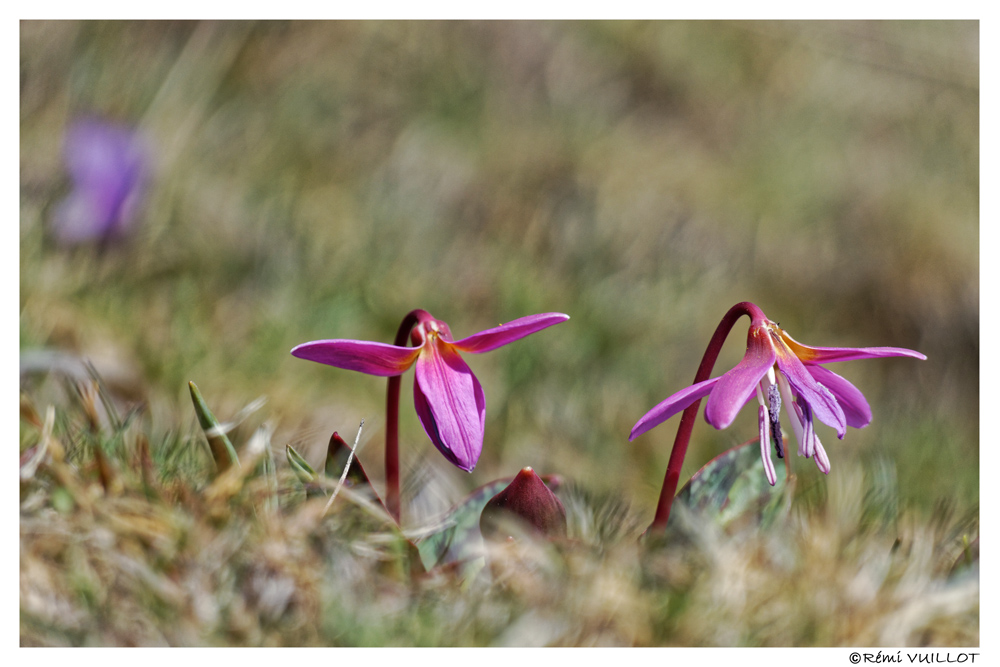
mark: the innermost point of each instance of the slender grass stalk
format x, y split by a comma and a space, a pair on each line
347, 467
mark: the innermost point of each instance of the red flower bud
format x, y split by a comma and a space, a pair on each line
526, 500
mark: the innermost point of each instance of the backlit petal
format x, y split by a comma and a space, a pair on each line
491, 339
825, 355
671, 406
737, 385
450, 404
379, 359
857, 412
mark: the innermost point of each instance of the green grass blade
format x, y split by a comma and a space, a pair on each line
222, 449
304, 472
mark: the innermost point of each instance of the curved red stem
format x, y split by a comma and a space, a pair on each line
691, 412
392, 417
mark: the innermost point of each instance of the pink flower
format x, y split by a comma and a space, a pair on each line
781, 372
447, 396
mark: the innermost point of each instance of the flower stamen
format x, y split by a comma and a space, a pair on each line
765, 420
774, 406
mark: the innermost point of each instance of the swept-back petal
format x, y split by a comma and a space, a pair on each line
825, 355
857, 412
820, 399
491, 339
379, 359
450, 404
671, 406
738, 384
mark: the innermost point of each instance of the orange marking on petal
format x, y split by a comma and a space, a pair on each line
803, 352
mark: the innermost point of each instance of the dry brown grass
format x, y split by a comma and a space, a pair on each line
124, 557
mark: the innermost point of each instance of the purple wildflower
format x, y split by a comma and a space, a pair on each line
780, 371
107, 164
447, 396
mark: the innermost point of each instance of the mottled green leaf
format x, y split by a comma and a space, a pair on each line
733, 486
457, 537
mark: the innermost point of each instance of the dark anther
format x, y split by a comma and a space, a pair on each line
774, 408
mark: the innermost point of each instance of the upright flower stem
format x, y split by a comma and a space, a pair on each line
412, 318
683, 437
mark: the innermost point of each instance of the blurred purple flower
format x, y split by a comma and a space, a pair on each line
447, 396
108, 166
780, 371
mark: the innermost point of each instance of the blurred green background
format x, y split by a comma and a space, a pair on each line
320, 180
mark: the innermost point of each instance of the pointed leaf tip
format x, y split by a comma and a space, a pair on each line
304, 472
526, 500
338, 452
223, 452
298, 463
